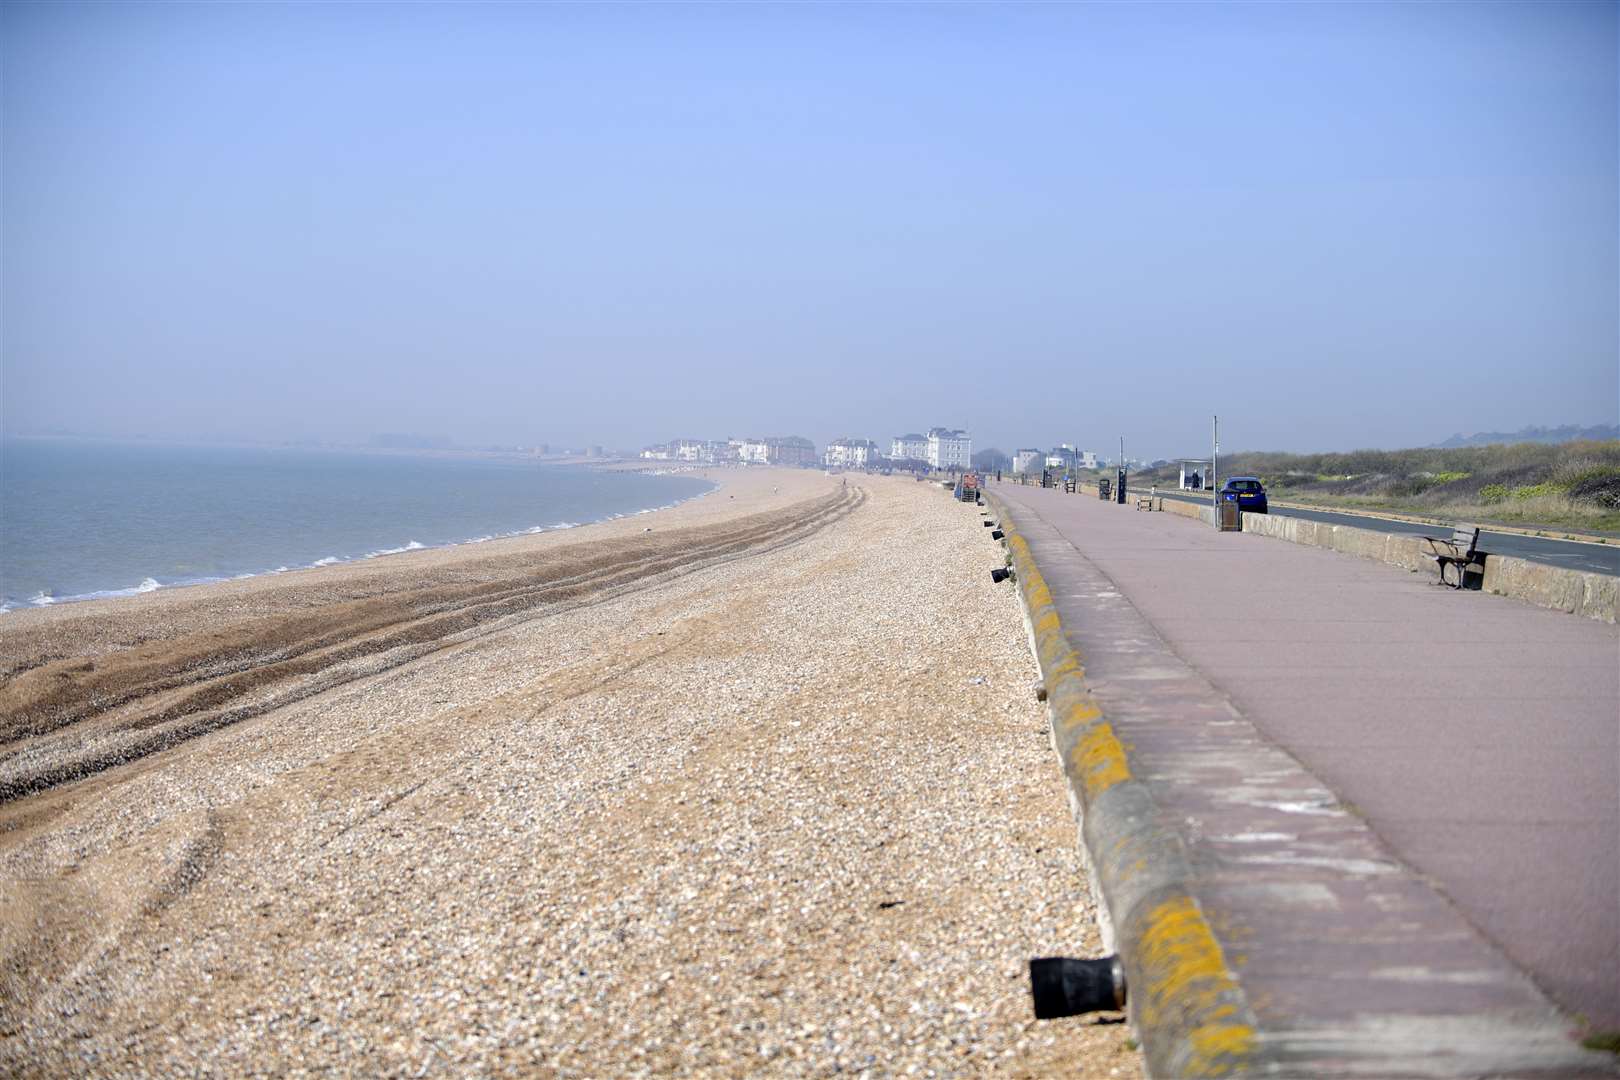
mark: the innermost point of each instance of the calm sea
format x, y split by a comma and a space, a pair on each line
92, 519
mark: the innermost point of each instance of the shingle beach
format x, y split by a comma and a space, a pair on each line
756, 785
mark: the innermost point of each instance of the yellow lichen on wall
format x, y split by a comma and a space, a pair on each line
1183, 970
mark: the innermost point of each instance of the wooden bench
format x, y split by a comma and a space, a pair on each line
1460, 549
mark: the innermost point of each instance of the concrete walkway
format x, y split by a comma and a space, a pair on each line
1477, 737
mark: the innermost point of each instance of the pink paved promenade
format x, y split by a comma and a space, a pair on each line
1478, 736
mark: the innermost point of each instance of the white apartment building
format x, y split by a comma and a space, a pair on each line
909, 448
1062, 456
1026, 461
660, 452
687, 449
850, 453
1068, 457
949, 449
777, 450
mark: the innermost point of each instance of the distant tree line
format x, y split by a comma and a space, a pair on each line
991, 459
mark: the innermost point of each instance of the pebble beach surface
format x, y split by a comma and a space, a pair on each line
789, 807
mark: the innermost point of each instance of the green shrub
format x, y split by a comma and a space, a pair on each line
1533, 491
1450, 477
1492, 493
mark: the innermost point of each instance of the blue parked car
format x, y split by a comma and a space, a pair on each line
1248, 492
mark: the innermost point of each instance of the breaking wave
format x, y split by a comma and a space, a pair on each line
45, 598
410, 545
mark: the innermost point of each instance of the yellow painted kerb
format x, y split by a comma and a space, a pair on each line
1098, 759
1182, 979
1186, 973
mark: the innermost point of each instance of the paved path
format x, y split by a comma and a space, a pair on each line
1475, 735
1570, 554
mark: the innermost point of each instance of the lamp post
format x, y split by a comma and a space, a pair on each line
1119, 476
1214, 471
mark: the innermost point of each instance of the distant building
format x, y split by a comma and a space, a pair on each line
657, 452
909, 448
1068, 458
791, 450
1027, 461
850, 453
722, 451
594, 451
949, 449
1063, 457
778, 450
687, 449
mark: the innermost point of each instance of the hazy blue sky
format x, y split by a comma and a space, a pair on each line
1367, 224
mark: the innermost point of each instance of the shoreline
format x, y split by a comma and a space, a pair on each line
150, 584
15, 616
91, 686
89, 627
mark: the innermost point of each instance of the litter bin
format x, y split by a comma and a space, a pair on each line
1103, 486
1231, 517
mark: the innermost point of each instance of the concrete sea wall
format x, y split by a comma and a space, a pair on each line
1592, 596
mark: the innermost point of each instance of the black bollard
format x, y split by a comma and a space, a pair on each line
1062, 986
